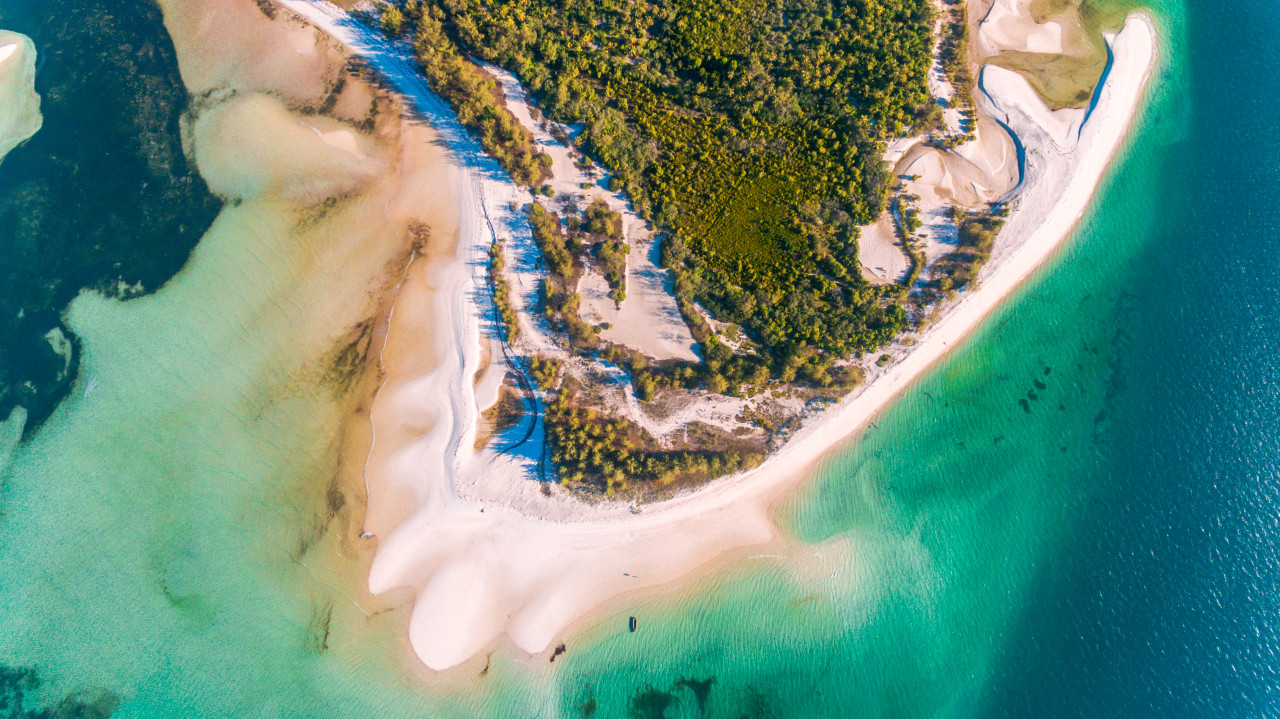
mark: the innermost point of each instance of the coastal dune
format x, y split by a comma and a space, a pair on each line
482, 571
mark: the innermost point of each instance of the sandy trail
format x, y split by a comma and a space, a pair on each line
484, 571
649, 319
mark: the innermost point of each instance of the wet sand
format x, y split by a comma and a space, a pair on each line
329, 181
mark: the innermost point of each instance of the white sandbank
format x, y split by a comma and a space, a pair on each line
20, 116
484, 571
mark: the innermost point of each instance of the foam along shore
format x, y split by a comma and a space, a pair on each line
484, 571
19, 103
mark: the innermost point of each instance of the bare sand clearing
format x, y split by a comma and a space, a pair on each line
484, 571
971, 176
880, 252
19, 103
648, 320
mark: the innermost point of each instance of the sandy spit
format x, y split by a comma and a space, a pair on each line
482, 572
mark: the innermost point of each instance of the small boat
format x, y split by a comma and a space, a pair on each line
632, 624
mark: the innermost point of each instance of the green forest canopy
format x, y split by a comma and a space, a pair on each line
751, 129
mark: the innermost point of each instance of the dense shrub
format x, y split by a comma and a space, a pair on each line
509, 324
959, 268
749, 128
475, 97
587, 447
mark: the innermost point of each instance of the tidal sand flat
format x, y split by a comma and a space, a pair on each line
198, 492
19, 104
482, 570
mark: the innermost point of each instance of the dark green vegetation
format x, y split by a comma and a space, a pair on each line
749, 129
737, 374
545, 372
392, 21
953, 50
510, 328
588, 447
750, 133
906, 227
958, 269
75, 215
603, 229
561, 253
474, 95
722, 370
593, 450
553, 243
954, 47
597, 233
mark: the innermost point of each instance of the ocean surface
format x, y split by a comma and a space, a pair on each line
1077, 514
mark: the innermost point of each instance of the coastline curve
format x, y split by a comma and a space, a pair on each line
482, 570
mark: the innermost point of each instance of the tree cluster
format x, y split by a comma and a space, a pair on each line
603, 229
908, 221
474, 96
588, 448
545, 372
510, 326
954, 53
560, 301
959, 268
751, 129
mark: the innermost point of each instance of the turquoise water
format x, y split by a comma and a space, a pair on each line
1107, 550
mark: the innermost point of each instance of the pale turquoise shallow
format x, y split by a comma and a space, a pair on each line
1108, 551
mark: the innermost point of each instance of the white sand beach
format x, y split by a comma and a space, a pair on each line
482, 571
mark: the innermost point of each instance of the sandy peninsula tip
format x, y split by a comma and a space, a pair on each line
513, 564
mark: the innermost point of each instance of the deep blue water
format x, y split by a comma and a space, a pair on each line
1166, 602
